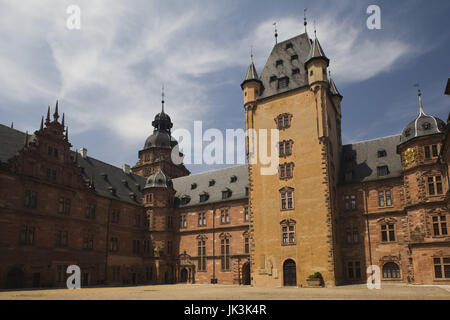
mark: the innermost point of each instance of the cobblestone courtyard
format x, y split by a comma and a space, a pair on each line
231, 292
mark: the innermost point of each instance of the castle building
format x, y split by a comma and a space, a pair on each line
330, 208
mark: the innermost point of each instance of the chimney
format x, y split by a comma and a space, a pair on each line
83, 152
126, 168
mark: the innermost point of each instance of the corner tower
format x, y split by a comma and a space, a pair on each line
158, 149
293, 212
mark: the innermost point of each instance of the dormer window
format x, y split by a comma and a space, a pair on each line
204, 197
185, 200
382, 153
295, 71
233, 179
273, 78
193, 186
279, 63
289, 45
426, 126
226, 194
294, 57
407, 132
212, 183
382, 171
283, 82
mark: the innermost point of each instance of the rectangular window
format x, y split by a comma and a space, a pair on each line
440, 225
381, 199
246, 245
62, 239
246, 214
225, 254
201, 255
287, 148
224, 216
348, 236
183, 221
136, 246
88, 242
90, 211
347, 202
434, 148
115, 216
427, 152
202, 219
355, 235
30, 200
27, 236
434, 185
388, 198
283, 83
441, 268
382, 171
353, 202
114, 244
387, 233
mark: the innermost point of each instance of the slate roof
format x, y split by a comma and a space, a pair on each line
333, 90
112, 182
301, 46
316, 51
251, 74
12, 141
361, 158
222, 179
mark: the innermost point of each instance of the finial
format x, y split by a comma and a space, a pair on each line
251, 53
67, 134
419, 94
162, 98
315, 31
276, 33
62, 122
12, 125
42, 124
56, 115
47, 120
305, 23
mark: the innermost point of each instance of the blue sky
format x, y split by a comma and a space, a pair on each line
108, 75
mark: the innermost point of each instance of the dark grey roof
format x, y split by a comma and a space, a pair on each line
158, 180
334, 91
160, 139
361, 159
222, 180
11, 141
316, 51
422, 125
299, 46
251, 74
111, 181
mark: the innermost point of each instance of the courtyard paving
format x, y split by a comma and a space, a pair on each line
233, 292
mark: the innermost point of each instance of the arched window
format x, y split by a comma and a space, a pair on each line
391, 271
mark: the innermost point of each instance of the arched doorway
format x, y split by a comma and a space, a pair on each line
246, 274
14, 279
184, 275
289, 273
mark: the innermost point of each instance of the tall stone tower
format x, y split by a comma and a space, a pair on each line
293, 212
158, 148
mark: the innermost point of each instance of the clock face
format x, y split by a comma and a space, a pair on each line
409, 156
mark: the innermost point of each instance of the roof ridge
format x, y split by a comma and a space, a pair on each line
391, 136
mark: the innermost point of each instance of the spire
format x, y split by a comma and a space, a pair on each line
316, 51
419, 94
334, 91
62, 121
162, 99
56, 115
47, 120
251, 74
67, 134
276, 33
304, 19
42, 124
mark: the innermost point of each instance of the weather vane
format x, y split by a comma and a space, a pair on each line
276, 32
304, 18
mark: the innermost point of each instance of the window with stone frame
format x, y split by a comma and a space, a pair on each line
288, 232
149, 197
183, 221
113, 244
64, 206
391, 270
384, 198
246, 217
90, 210
136, 247
62, 239
201, 250
225, 252
27, 235
440, 225
283, 82
115, 216
30, 200
285, 148
226, 194
354, 270
169, 222
441, 267
434, 185
224, 216
246, 243
382, 171
286, 171
88, 242
287, 198
388, 232
283, 121
202, 219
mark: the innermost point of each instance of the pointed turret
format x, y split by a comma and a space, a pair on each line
42, 124
66, 138
56, 115
333, 90
251, 85
317, 62
47, 120
62, 122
